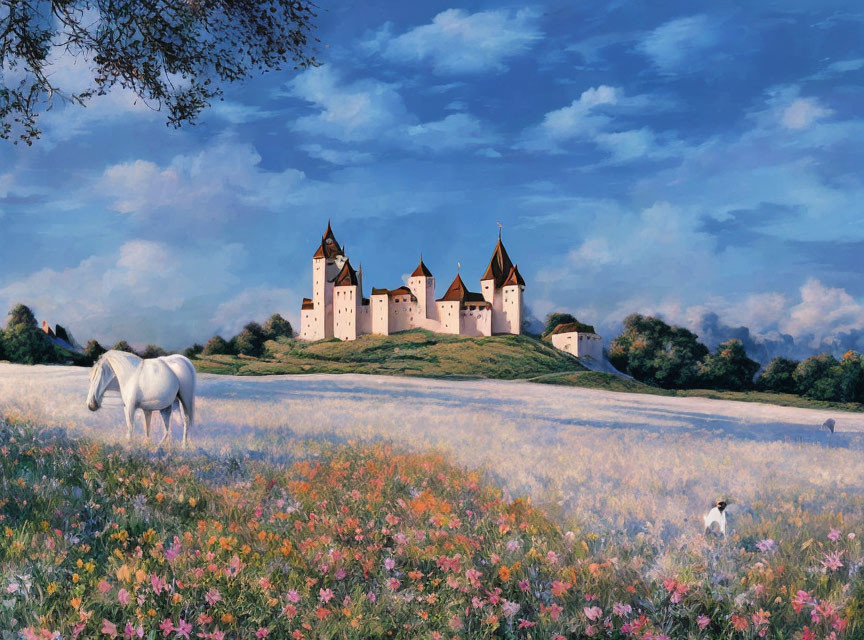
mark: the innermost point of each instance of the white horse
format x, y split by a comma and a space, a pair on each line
150, 385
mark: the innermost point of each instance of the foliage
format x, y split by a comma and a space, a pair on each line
362, 541
851, 377
277, 327
21, 315
217, 345
778, 376
654, 352
93, 350
153, 351
122, 345
728, 368
818, 377
193, 351
174, 55
553, 320
250, 341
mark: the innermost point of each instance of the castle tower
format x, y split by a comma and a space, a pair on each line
422, 285
317, 313
346, 299
511, 302
492, 284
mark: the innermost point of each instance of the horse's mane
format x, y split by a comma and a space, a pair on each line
122, 363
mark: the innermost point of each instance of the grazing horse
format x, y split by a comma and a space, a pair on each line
150, 385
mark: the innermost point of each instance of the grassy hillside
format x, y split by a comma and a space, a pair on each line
412, 353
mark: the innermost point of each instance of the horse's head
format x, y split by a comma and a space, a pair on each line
100, 377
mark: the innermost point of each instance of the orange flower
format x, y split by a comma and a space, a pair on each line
504, 573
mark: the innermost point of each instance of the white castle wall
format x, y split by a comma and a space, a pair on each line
345, 312
476, 323
448, 313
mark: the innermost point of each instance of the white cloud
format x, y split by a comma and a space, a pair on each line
822, 312
354, 112
220, 182
456, 131
136, 293
255, 304
458, 42
803, 112
335, 156
677, 44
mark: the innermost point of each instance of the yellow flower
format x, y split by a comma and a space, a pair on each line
75, 578
52, 587
176, 598
124, 573
140, 576
75, 603
192, 502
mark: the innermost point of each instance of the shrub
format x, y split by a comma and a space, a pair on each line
277, 327
93, 350
818, 377
194, 350
250, 341
654, 352
153, 351
728, 368
122, 345
778, 376
217, 346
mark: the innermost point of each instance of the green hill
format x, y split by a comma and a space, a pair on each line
411, 353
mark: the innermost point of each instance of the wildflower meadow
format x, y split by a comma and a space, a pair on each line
364, 540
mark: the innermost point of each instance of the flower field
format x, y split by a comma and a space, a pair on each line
363, 540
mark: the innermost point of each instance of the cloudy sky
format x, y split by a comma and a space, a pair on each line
686, 159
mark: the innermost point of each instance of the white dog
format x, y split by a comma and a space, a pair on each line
716, 515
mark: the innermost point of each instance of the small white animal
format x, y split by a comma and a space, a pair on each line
716, 515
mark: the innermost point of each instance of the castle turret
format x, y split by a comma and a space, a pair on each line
346, 299
422, 285
328, 260
492, 285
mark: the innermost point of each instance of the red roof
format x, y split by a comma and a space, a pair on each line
328, 248
514, 277
458, 292
400, 291
499, 266
421, 271
307, 304
347, 277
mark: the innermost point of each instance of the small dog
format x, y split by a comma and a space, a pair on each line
716, 515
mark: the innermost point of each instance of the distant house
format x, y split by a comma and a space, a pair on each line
338, 307
579, 339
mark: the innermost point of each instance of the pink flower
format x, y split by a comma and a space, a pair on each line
326, 595
184, 628
166, 626
590, 630
213, 596
524, 585
123, 597
389, 563
834, 534
509, 608
371, 597
703, 621
293, 596
593, 613
832, 560
621, 610
801, 598
263, 632
131, 632
473, 577
766, 546
525, 624
109, 628
104, 586
554, 611
157, 583
393, 584
234, 567
290, 610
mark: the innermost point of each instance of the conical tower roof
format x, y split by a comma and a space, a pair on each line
329, 248
346, 277
422, 271
499, 266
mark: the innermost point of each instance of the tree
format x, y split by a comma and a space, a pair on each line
217, 346
153, 351
278, 327
28, 345
818, 377
170, 54
654, 352
250, 341
728, 367
777, 376
852, 377
21, 315
122, 345
93, 350
194, 350
553, 320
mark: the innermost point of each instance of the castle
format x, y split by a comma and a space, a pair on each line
339, 309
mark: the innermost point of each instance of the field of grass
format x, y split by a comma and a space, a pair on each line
363, 540
609, 382
411, 353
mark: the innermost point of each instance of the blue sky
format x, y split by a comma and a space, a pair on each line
686, 159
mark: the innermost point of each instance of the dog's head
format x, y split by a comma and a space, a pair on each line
721, 504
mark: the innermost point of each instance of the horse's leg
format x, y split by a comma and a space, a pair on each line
129, 412
188, 405
166, 422
147, 416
